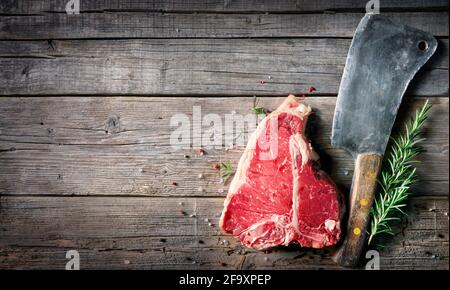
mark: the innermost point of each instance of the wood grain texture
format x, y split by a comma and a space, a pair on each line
190, 67
97, 174
209, 25
288, 6
151, 233
121, 145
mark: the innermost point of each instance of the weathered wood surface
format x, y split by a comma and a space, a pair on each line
23, 7
190, 66
97, 174
121, 145
151, 233
202, 25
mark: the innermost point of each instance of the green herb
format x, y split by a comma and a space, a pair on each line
226, 170
397, 176
258, 110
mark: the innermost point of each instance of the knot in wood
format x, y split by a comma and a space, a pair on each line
112, 125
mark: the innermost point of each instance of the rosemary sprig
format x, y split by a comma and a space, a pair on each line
226, 170
258, 110
397, 176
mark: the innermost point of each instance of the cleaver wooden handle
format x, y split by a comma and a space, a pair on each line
362, 194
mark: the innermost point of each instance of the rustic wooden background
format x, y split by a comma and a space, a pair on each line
85, 105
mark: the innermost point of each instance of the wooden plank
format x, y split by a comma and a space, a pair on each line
150, 233
121, 145
288, 6
209, 25
190, 66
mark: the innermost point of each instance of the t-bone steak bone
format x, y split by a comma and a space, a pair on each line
285, 198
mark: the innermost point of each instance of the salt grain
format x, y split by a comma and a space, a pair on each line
210, 224
180, 203
200, 189
126, 262
206, 220
200, 176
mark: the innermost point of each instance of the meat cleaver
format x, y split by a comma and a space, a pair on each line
382, 59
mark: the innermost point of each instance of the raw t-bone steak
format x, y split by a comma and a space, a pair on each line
278, 195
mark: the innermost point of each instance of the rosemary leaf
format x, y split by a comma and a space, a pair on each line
258, 110
226, 171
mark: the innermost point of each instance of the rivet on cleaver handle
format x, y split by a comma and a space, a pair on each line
382, 60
